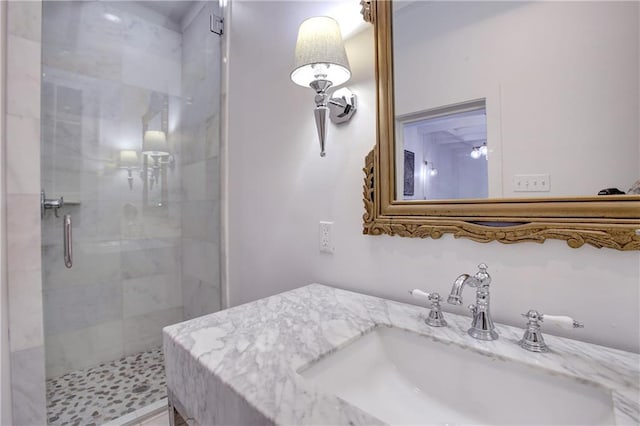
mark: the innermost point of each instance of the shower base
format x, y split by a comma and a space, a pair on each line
96, 395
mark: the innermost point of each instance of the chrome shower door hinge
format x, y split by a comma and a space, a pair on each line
216, 24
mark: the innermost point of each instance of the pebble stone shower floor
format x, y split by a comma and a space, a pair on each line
99, 394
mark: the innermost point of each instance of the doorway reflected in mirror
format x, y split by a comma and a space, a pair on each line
451, 153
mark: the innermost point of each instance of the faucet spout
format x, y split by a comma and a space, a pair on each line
455, 297
482, 327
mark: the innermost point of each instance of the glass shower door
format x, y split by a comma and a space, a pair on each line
130, 136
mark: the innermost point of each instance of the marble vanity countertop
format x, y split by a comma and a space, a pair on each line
244, 361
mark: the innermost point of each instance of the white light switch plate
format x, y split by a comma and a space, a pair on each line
531, 183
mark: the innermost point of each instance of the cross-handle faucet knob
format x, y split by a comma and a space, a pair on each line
435, 317
532, 339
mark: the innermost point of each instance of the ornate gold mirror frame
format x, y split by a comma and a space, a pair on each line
613, 222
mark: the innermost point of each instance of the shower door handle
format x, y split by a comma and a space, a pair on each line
68, 245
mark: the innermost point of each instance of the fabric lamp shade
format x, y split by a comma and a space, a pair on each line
155, 143
320, 53
128, 158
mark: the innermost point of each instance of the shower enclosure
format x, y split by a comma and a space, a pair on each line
129, 161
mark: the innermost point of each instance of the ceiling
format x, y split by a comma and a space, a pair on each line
173, 10
469, 128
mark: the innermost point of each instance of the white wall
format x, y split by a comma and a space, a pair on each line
579, 106
458, 175
279, 189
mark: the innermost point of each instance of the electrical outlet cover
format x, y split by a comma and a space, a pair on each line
325, 238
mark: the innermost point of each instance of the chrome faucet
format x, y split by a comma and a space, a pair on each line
482, 327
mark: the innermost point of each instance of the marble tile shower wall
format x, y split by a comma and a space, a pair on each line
200, 126
23, 218
101, 74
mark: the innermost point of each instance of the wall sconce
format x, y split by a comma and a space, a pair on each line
321, 63
432, 171
129, 161
154, 145
479, 151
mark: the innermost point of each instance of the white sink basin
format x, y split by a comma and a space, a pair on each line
404, 378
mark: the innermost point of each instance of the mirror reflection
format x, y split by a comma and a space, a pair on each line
515, 99
451, 151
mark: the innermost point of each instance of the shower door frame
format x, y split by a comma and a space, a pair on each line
5, 371
20, 205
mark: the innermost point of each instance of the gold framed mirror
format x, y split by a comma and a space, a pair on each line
611, 221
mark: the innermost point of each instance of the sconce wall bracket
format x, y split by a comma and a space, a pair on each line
342, 108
